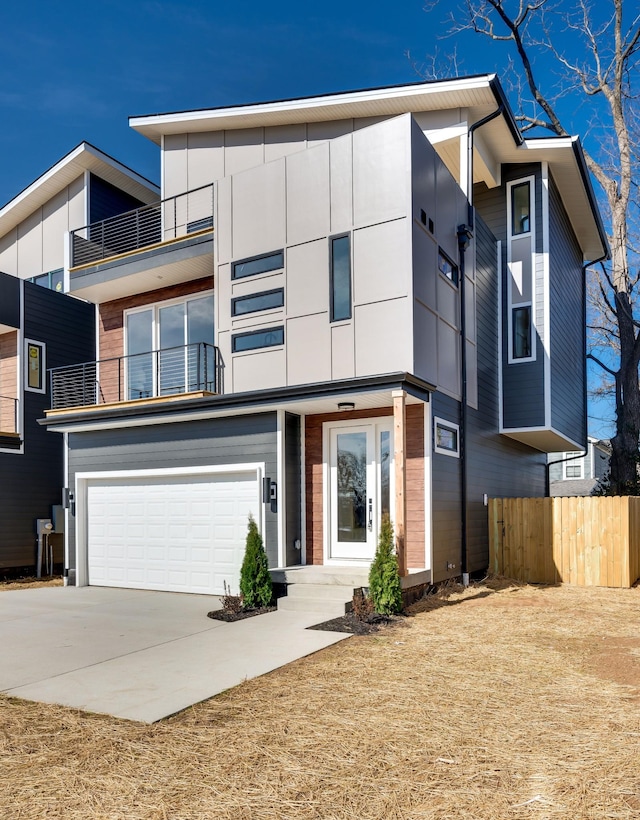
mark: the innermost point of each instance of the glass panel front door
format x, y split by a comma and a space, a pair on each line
359, 488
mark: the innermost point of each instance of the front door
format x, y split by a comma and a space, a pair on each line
360, 479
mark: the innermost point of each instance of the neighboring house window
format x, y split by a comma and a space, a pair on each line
35, 366
255, 302
446, 437
447, 268
521, 271
54, 280
574, 468
257, 264
169, 348
340, 274
270, 337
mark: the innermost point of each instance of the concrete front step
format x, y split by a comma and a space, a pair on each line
332, 576
332, 609
325, 592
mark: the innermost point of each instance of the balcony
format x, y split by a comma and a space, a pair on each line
158, 374
162, 244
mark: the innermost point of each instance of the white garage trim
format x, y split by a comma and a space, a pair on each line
88, 479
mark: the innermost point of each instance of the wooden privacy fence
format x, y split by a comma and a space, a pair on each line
581, 541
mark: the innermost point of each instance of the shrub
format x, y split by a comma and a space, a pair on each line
361, 605
231, 604
255, 582
384, 578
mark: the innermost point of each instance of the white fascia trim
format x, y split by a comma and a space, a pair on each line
83, 479
281, 498
87, 196
77, 154
549, 142
546, 285
328, 100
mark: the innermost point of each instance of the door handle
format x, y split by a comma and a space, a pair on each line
370, 515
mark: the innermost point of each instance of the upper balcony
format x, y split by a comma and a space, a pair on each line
155, 246
157, 375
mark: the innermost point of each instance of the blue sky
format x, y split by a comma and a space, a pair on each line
72, 71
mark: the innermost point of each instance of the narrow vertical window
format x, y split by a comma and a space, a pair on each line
520, 209
340, 278
521, 324
35, 366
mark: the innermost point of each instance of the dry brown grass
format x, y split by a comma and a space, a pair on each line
30, 583
500, 701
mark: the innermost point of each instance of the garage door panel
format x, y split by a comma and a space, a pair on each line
181, 533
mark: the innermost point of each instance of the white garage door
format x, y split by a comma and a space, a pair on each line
181, 534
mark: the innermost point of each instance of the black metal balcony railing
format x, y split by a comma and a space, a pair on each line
8, 414
167, 219
167, 372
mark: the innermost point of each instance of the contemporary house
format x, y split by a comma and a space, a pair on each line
345, 306
41, 328
571, 473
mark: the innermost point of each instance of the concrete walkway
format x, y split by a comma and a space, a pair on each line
139, 655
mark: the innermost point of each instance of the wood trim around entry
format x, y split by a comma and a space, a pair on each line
414, 480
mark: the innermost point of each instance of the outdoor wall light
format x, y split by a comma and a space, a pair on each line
346, 405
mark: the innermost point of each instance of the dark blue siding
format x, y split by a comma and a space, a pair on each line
106, 200
32, 482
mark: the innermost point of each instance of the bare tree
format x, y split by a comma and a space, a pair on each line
596, 49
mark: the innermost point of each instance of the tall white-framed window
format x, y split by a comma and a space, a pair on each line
521, 270
168, 347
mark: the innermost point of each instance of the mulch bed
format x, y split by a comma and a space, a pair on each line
352, 624
230, 617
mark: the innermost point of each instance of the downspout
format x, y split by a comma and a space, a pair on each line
465, 235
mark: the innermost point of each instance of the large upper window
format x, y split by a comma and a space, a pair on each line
169, 348
257, 264
340, 261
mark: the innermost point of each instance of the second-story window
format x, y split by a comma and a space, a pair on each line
340, 276
254, 302
521, 271
257, 264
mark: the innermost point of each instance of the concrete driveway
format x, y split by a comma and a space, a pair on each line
139, 655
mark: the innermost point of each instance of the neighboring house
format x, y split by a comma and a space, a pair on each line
286, 340
42, 328
581, 475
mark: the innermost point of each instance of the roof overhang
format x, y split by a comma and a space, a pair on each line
366, 393
497, 142
85, 157
478, 94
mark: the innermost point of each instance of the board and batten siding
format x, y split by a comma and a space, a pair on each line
566, 308
208, 442
32, 481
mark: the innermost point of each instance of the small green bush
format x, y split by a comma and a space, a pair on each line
384, 578
255, 582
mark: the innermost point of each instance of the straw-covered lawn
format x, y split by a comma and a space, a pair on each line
497, 702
